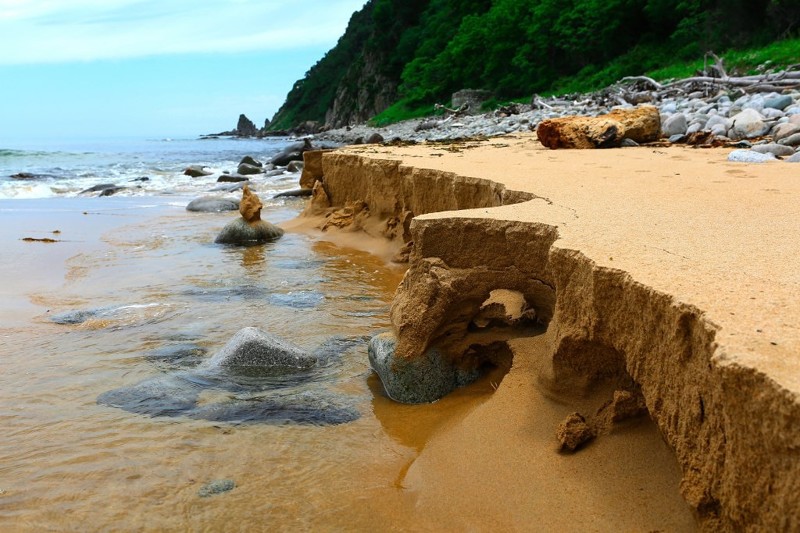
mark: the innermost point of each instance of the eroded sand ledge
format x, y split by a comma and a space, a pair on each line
670, 266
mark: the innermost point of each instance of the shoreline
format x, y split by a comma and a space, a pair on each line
658, 274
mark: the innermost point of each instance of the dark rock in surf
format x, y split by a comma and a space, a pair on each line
242, 232
293, 152
249, 160
212, 204
251, 347
231, 178
294, 193
197, 171
248, 170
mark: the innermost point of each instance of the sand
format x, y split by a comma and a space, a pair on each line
667, 265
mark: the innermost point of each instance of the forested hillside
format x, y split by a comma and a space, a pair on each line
418, 52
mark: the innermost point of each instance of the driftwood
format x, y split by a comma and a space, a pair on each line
713, 79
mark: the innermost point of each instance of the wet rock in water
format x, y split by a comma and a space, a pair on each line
232, 178
249, 229
80, 316
197, 171
248, 170
251, 347
212, 204
573, 432
218, 486
749, 156
31, 176
423, 379
296, 299
109, 191
294, 166
99, 188
294, 193
177, 356
293, 152
248, 160
258, 374
231, 187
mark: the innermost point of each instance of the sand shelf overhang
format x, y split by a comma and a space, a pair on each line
671, 265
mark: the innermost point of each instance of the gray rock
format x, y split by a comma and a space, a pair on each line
749, 124
232, 187
98, 188
795, 158
677, 138
293, 152
295, 166
420, 380
241, 232
779, 102
749, 156
675, 125
212, 204
197, 171
251, 347
781, 131
294, 193
248, 170
628, 143
791, 140
248, 160
375, 138
774, 149
772, 114
218, 486
231, 178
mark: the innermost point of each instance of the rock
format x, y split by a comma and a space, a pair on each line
231, 187
791, 140
749, 156
781, 131
375, 138
212, 204
99, 188
197, 171
795, 158
423, 379
748, 124
108, 191
294, 166
641, 124
245, 127
779, 150
217, 486
31, 176
293, 152
312, 168
232, 178
573, 432
243, 233
294, 193
473, 99
628, 143
248, 170
779, 102
675, 125
249, 160
251, 347
250, 206
677, 138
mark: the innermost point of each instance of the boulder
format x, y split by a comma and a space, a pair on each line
422, 379
197, 171
641, 124
232, 178
375, 138
779, 150
795, 158
249, 229
748, 124
791, 140
295, 166
293, 152
312, 168
99, 188
248, 160
779, 102
212, 204
247, 169
781, 131
251, 347
675, 125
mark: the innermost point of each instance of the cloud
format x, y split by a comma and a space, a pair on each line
54, 31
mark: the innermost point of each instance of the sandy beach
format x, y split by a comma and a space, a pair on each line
670, 266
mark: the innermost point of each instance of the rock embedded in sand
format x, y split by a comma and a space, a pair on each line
218, 486
573, 432
422, 379
641, 124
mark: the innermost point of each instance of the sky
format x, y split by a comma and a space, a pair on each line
94, 68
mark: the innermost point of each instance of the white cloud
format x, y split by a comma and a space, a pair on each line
47, 31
